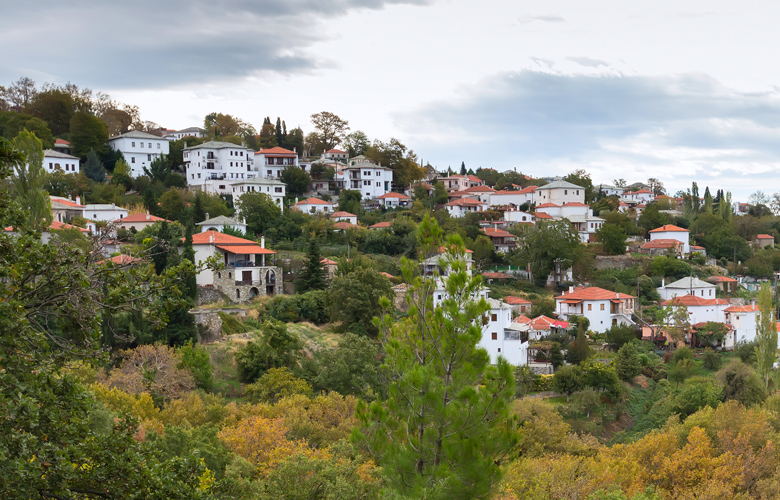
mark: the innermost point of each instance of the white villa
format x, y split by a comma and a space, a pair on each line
671, 232
363, 175
56, 160
107, 212
559, 192
220, 223
217, 161
271, 162
604, 308
687, 286
313, 206
139, 149
275, 189
187, 132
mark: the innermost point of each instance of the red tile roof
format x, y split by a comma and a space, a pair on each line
669, 228
764, 237
464, 202
542, 215
215, 237
387, 275
522, 319
60, 226
480, 189
67, 202
243, 249
336, 151
341, 214
497, 233
593, 293
496, 276
662, 243
575, 204
547, 205
473, 178
141, 218
721, 279
392, 194
516, 301
276, 151
343, 225
443, 249
313, 201
529, 189
121, 260
692, 300
742, 309
542, 323
381, 225
61, 141
328, 262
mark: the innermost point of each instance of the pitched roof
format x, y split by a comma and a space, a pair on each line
721, 279
343, 225
692, 300
61, 141
66, 201
593, 293
61, 225
121, 260
496, 276
542, 323
137, 134
497, 233
473, 178
575, 204
662, 243
328, 262
464, 202
669, 228
515, 301
444, 249
393, 194
215, 145
559, 184
542, 215
764, 237
222, 220
341, 214
244, 249
147, 217
313, 201
547, 205
690, 282
276, 151
50, 153
480, 189
741, 309
215, 237
380, 225
336, 151
529, 189
387, 275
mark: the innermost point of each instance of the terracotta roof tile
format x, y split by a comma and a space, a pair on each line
593, 293
669, 228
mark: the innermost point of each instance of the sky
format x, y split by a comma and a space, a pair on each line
682, 91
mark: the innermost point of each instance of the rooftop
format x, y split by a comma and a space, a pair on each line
593, 293
669, 228
137, 134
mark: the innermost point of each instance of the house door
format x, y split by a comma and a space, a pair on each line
246, 276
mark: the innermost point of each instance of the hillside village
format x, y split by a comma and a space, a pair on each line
254, 265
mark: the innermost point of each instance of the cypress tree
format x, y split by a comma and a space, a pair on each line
313, 276
93, 168
463, 168
579, 350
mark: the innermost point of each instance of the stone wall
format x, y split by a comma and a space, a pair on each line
209, 325
241, 292
208, 295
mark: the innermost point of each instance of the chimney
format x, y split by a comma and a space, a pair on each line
262, 242
147, 215
207, 216
571, 289
211, 238
78, 200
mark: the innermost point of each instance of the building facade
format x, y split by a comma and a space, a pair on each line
218, 161
139, 149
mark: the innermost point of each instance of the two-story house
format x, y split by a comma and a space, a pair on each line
249, 268
213, 165
275, 189
270, 162
313, 206
503, 241
56, 160
463, 206
672, 232
186, 132
743, 321
687, 286
604, 308
505, 198
139, 149
559, 192
700, 310
363, 175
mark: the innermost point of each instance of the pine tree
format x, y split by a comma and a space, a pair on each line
580, 350
94, 168
190, 285
444, 428
198, 213
463, 168
279, 135
314, 275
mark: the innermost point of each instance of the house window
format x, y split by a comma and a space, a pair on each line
499, 349
590, 307
133, 143
158, 145
602, 307
150, 145
132, 159
238, 293
221, 186
142, 144
148, 157
94, 216
494, 336
565, 191
493, 317
219, 275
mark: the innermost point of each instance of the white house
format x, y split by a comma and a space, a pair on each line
370, 179
512, 198
271, 162
604, 308
139, 149
463, 206
578, 214
313, 206
335, 155
608, 190
249, 270
559, 192
275, 189
65, 209
501, 337
742, 320
56, 160
220, 223
107, 212
457, 182
217, 161
187, 132
671, 232
519, 217
687, 286
641, 197
482, 193
393, 199
700, 310
344, 217
138, 221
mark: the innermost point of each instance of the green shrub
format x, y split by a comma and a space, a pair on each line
681, 353
197, 361
620, 334
627, 363
711, 359
276, 384
568, 380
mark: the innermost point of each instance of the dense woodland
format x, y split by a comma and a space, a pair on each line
339, 391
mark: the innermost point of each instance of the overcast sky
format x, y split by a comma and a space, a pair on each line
679, 90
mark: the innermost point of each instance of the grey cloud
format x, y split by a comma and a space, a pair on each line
587, 61
155, 44
543, 19
534, 118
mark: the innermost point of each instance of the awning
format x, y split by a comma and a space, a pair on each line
571, 301
245, 249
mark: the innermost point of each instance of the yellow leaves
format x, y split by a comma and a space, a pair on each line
262, 441
206, 480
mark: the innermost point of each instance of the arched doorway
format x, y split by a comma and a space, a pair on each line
270, 282
253, 292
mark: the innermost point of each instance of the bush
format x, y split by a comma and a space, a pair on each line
681, 353
620, 334
746, 351
711, 359
601, 376
627, 363
272, 347
680, 371
276, 384
543, 383
697, 393
568, 380
197, 361
741, 383
310, 306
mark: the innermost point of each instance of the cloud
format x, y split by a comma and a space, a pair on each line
684, 127
588, 62
155, 44
543, 19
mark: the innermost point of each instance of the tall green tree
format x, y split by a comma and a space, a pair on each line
259, 211
444, 428
349, 201
87, 132
93, 168
545, 244
329, 128
766, 335
298, 180
579, 351
29, 181
314, 274
613, 237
